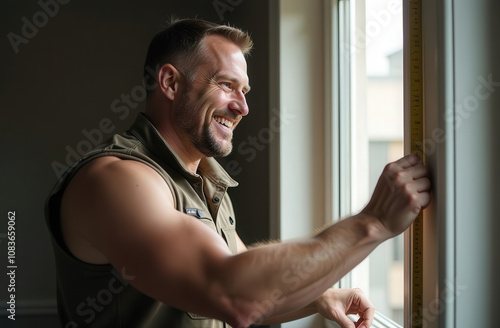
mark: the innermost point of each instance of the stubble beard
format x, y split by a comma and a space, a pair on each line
204, 141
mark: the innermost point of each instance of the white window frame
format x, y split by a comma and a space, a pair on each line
337, 126
439, 266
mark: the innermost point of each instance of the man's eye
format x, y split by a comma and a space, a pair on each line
226, 85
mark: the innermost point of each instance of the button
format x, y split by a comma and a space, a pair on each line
231, 220
215, 199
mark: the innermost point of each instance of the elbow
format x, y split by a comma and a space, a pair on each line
244, 299
240, 311
249, 309
242, 317
237, 311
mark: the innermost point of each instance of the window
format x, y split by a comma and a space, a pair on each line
460, 234
328, 79
371, 124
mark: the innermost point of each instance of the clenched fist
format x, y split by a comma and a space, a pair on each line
401, 192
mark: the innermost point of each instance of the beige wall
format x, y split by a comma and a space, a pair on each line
302, 97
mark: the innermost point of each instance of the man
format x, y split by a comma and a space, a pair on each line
152, 205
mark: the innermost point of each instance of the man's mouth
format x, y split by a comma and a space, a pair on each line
223, 121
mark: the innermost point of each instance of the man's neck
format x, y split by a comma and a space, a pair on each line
180, 145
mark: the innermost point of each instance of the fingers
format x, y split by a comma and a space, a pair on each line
365, 310
411, 165
402, 169
408, 161
418, 171
336, 304
344, 321
415, 177
366, 318
424, 199
401, 192
361, 306
421, 185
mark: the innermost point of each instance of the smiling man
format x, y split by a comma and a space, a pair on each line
207, 104
144, 230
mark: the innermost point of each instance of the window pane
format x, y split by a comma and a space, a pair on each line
376, 50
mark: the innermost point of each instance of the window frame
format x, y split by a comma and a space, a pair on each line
455, 58
338, 122
439, 266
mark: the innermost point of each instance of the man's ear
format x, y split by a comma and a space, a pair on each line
168, 80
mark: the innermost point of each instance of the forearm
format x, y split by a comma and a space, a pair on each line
278, 279
290, 316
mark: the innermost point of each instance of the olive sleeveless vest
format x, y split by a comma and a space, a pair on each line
99, 296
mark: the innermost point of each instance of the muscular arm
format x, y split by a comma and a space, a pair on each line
123, 212
272, 319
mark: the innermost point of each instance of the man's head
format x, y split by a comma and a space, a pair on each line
182, 44
201, 83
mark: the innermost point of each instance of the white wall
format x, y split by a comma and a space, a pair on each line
476, 109
302, 98
302, 148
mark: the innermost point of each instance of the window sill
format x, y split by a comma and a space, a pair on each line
380, 321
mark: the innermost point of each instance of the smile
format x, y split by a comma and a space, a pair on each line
223, 121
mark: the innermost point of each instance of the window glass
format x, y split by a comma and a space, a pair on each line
376, 123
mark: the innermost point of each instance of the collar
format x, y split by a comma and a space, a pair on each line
208, 168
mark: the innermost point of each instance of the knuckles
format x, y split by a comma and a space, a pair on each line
400, 179
391, 168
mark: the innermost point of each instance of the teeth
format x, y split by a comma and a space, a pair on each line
223, 121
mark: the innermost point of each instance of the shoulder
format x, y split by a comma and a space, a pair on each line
111, 172
102, 196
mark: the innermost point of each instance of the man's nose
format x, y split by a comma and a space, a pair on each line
239, 104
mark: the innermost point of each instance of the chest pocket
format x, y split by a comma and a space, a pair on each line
202, 216
226, 225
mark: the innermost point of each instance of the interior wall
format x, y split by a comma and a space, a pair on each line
71, 74
476, 107
302, 101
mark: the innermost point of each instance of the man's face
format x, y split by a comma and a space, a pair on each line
215, 102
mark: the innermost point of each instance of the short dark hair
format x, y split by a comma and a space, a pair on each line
181, 44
